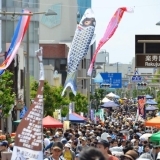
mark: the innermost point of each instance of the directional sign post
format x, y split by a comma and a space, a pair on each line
114, 79
136, 77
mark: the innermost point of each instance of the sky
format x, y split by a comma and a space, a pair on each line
121, 46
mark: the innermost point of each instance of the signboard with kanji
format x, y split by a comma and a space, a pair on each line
147, 51
147, 60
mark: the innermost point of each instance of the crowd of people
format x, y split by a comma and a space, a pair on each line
118, 137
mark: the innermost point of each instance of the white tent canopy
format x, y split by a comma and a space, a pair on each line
104, 100
111, 95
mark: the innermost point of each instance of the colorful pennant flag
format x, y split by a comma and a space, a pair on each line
111, 28
17, 38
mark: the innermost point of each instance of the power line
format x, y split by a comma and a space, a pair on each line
73, 6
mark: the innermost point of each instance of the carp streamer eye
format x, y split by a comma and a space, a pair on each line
87, 23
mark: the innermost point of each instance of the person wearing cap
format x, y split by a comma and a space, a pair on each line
103, 146
68, 154
64, 141
146, 156
109, 138
84, 142
56, 138
56, 151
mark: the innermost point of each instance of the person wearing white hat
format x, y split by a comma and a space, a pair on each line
68, 154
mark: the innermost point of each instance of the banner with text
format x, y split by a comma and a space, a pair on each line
29, 134
141, 106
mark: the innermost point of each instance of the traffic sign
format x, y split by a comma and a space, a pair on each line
114, 79
136, 77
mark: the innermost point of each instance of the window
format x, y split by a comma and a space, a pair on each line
51, 61
4, 36
57, 64
31, 3
45, 62
84, 83
3, 4
25, 3
31, 65
9, 30
2, 58
22, 79
31, 32
63, 64
9, 3
84, 63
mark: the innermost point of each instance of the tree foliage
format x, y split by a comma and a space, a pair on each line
64, 111
7, 96
80, 102
96, 98
147, 90
157, 77
52, 97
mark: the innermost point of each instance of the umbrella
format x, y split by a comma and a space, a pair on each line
129, 119
139, 134
111, 95
151, 102
117, 97
145, 136
148, 97
155, 137
153, 122
109, 104
105, 100
151, 108
16, 122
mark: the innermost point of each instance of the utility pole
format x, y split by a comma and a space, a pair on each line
117, 67
48, 13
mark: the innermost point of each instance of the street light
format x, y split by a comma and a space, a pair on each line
158, 23
48, 13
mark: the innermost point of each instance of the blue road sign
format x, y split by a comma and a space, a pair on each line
114, 79
136, 77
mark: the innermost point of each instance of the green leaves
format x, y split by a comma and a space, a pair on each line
80, 102
7, 96
64, 111
158, 99
97, 97
157, 77
52, 97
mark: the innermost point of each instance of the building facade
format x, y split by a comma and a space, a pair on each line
60, 28
8, 26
